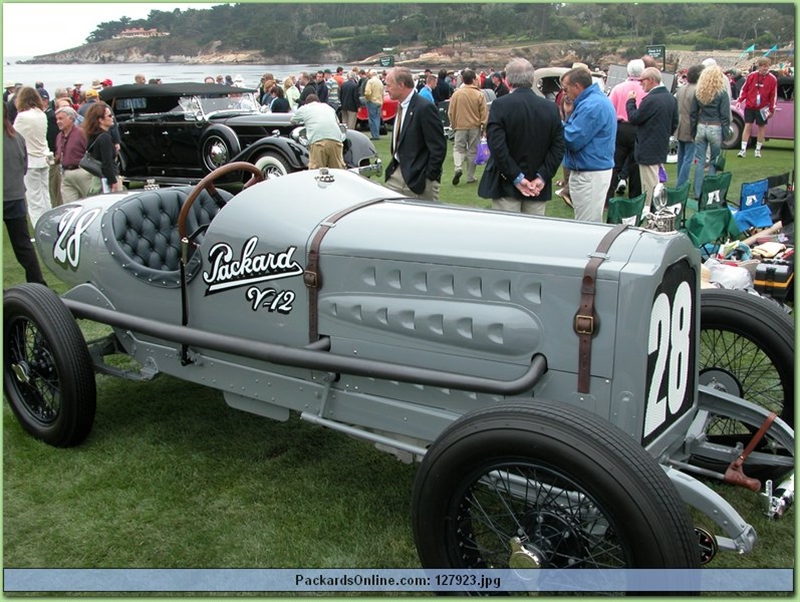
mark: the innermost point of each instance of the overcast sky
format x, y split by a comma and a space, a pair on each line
41, 28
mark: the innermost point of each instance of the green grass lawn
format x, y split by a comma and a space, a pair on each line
171, 477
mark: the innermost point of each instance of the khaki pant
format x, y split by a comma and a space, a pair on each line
515, 205
326, 153
587, 189
465, 146
55, 186
398, 183
349, 118
649, 177
75, 185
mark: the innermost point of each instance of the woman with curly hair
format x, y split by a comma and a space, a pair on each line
99, 144
31, 123
710, 119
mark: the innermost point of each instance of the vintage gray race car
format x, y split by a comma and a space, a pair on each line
552, 393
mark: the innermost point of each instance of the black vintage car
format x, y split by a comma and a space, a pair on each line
178, 133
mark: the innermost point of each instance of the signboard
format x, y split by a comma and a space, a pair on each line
619, 73
387, 61
658, 52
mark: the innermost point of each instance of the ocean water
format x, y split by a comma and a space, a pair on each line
63, 76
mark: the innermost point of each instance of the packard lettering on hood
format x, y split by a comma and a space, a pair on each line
227, 272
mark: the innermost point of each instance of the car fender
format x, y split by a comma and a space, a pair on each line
358, 147
296, 154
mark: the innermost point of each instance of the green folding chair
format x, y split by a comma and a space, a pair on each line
677, 199
625, 211
712, 226
713, 193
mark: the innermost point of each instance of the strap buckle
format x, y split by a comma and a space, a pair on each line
584, 324
311, 279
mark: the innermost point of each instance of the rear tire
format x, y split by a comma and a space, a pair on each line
735, 139
576, 490
48, 377
746, 350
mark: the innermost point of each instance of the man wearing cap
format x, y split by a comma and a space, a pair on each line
97, 85
76, 94
500, 88
106, 83
423, 80
91, 97
9, 89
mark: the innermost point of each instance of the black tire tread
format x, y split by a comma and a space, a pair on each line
71, 355
589, 428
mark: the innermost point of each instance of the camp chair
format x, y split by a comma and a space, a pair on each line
625, 211
783, 179
753, 194
677, 199
713, 193
753, 212
712, 226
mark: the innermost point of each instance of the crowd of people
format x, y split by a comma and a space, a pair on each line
607, 144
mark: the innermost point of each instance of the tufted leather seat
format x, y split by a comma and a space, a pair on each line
144, 230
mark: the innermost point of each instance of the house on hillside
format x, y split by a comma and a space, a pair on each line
139, 32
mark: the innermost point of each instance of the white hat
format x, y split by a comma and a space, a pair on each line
8, 84
709, 62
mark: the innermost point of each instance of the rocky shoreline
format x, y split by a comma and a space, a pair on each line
481, 57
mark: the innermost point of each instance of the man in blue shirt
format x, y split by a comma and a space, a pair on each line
590, 135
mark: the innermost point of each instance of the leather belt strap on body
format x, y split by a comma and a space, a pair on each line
586, 323
312, 276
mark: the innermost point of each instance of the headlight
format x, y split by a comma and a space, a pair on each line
299, 135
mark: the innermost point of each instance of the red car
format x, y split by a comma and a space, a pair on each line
388, 112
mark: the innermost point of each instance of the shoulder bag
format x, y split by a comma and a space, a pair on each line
90, 164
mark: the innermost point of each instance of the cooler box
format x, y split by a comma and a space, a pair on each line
775, 278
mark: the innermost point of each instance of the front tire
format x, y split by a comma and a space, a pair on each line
48, 377
532, 484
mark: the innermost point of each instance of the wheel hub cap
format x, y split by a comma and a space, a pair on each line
522, 557
21, 372
721, 380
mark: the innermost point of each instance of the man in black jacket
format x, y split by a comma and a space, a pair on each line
418, 143
526, 140
657, 119
348, 96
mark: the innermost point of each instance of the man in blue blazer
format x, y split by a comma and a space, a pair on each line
418, 144
526, 141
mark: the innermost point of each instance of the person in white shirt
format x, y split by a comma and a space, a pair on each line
31, 123
323, 133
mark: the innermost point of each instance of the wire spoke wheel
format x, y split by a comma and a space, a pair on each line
35, 372
48, 378
524, 515
746, 350
530, 484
